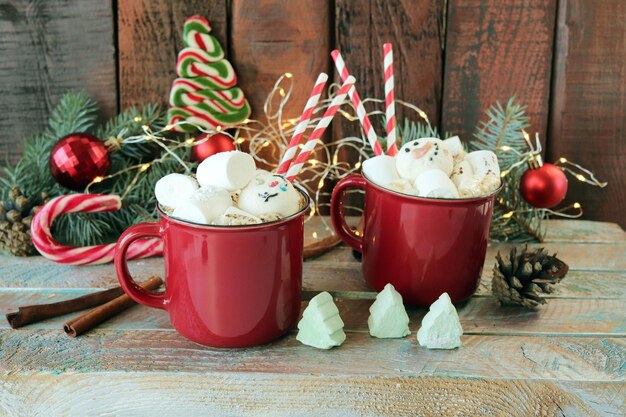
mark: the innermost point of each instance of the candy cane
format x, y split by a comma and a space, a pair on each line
320, 128
360, 109
88, 255
302, 125
390, 109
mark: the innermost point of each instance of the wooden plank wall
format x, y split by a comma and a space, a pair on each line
566, 59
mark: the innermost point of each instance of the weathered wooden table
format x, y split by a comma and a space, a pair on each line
568, 358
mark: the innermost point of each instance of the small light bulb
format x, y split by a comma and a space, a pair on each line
218, 129
580, 178
357, 165
97, 179
576, 205
503, 173
145, 127
288, 75
137, 119
281, 91
266, 144
562, 160
507, 215
189, 141
314, 235
313, 162
145, 167
239, 141
505, 148
320, 185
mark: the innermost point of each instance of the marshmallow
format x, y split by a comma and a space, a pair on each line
441, 327
204, 205
435, 184
381, 169
454, 145
173, 189
235, 217
388, 318
484, 163
463, 170
321, 326
422, 155
229, 170
269, 193
402, 186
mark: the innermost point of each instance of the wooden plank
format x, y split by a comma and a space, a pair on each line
480, 315
583, 231
272, 37
501, 357
48, 48
587, 116
150, 37
28, 394
589, 257
496, 49
414, 29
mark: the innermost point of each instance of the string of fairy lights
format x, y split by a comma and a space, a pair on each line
266, 140
533, 158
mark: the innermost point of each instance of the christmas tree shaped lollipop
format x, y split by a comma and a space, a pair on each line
205, 94
388, 318
321, 326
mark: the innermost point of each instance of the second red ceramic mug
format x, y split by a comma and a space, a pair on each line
225, 286
423, 246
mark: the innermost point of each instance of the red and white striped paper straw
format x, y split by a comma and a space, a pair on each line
356, 101
302, 125
88, 255
390, 108
320, 128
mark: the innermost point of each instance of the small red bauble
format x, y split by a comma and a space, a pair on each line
216, 143
77, 159
543, 187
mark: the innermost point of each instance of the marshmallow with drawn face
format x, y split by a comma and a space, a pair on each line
381, 169
435, 184
204, 205
173, 189
421, 155
228, 170
269, 193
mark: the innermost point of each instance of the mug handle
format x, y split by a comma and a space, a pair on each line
342, 229
134, 291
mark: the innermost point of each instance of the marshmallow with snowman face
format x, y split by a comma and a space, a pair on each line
269, 193
422, 155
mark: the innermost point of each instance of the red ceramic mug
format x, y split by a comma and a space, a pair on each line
225, 286
423, 246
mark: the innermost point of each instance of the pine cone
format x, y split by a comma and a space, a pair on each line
519, 278
15, 216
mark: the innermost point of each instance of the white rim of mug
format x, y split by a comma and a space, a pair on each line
443, 200
298, 187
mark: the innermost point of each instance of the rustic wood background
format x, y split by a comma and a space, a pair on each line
566, 59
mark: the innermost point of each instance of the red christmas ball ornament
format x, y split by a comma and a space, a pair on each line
77, 159
206, 145
543, 186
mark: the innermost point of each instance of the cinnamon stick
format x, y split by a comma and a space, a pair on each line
39, 312
92, 318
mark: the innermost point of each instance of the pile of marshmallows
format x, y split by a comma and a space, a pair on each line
228, 191
435, 168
